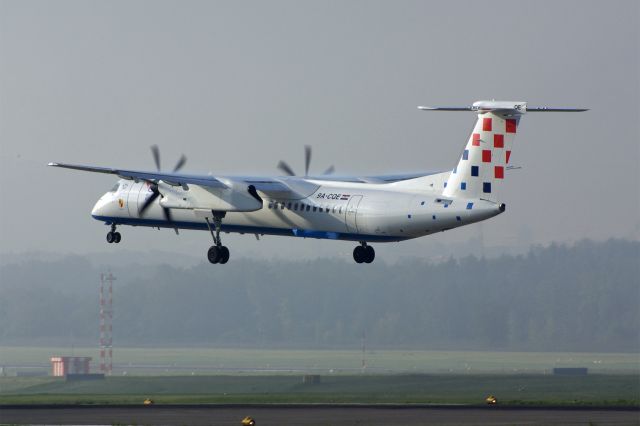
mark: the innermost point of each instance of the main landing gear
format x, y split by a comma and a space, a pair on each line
217, 253
364, 253
113, 236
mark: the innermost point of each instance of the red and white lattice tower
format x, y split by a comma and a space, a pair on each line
106, 321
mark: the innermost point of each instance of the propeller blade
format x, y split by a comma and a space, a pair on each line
156, 155
329, 171
307, 159
180, 163
149, 200
286, 169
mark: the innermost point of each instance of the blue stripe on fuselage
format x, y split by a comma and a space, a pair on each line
249, 229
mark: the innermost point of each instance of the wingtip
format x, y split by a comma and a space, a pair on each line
53, 164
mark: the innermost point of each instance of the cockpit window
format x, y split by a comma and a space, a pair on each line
115, 188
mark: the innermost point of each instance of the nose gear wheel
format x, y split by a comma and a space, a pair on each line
113, 236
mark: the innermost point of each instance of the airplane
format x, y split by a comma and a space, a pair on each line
366, 209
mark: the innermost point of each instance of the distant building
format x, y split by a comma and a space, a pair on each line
63, 365
570, 371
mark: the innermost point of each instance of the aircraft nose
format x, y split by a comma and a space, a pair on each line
98, 208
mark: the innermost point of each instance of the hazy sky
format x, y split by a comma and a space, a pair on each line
237, 86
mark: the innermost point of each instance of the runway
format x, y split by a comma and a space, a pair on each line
316, 414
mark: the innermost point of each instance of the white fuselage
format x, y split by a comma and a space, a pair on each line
325, 209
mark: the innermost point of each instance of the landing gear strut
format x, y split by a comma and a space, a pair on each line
217, 253
113, 236
364, 253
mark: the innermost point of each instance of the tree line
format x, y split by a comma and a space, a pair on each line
582, 297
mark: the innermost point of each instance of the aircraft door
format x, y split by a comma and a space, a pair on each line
351, 213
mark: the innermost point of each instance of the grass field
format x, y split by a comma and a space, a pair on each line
207, 375
157, 361
619, 390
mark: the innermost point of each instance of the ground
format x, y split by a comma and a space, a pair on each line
205, 375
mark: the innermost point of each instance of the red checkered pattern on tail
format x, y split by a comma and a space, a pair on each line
481, 169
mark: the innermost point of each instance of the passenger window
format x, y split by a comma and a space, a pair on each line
308, 207
315, 208
334, 209
270, 204
295, 206
340, 210
289, 206
282, 206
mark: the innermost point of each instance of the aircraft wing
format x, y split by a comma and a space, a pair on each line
398, 177
287, 186
266, 185
176, 178
374, 179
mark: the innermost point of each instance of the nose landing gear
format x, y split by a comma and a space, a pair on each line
113, 236
217, 253
364, 253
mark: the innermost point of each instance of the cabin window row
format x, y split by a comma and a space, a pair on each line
304, 207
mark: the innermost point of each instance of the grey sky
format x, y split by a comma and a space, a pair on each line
237, 86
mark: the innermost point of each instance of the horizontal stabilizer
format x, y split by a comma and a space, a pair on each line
507, 106
447, 108
549, 109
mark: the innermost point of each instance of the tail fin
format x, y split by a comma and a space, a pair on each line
482, 167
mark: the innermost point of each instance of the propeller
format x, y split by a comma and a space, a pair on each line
307, 159
156, 158
284, 167
156, 155
181, 162
153, 184
155, 193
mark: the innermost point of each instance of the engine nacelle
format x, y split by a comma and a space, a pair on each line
236, 197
